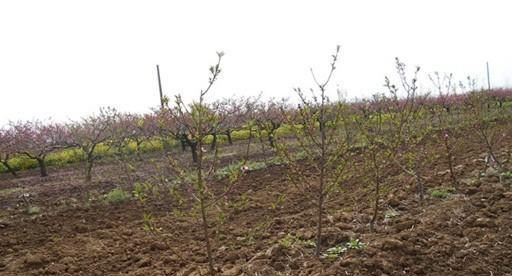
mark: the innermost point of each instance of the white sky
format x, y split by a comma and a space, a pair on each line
65, 59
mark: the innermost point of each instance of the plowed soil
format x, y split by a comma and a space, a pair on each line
78, 233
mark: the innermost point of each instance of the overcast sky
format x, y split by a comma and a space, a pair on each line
65, 59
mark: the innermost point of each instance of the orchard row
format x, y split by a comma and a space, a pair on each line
391, 131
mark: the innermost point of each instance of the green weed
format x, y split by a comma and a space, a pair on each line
507, 175
117, 195
355, 244
290, 240
33, 210
234, 168
441, 192
336, 251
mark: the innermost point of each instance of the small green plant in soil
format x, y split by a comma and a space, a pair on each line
279, 202
117, 195
239, 204
390, 213
356, 244
507, 175
336, 251
249, 238
308, 243
441, 192
233, 168
30, 209
33, 210
142, 191
289, 240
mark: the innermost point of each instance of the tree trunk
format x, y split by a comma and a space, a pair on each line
230, 139
214, 141
490, 150
183, 141
262, 143
42, 166
9, 168
207, 238
271, 139
376, 205
88, 169
137, 151
193, 147
322, 184
452, 171
377, 190
319, 217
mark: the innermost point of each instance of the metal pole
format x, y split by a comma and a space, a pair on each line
160, 87
488, 78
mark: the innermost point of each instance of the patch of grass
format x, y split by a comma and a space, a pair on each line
240, 135
239, 204
284, 130
249, 239
19, 163
287, 241
151, 145
441, 192
65, 156
276, 161
189, 177
141, 191
117, 195
74, 155
227, 170
279, 202
301, 155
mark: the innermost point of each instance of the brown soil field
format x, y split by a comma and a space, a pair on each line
77, 233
